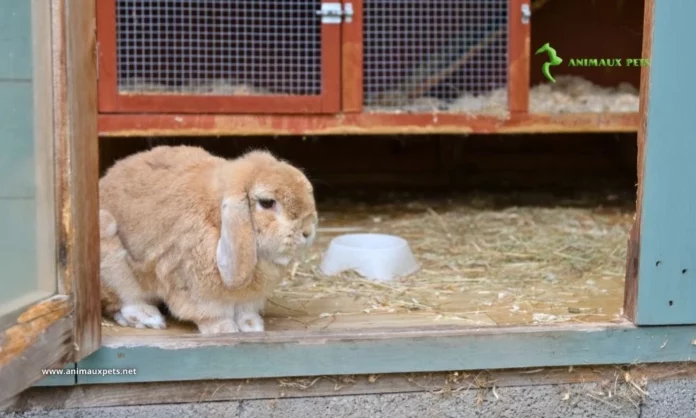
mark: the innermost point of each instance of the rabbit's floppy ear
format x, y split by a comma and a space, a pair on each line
236, 249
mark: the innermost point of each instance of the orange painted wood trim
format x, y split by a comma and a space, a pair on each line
352, 61
201, 104
519, 38
135, 125
106, 46
330, 67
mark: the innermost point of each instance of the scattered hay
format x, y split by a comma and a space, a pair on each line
619, 387
625, 387
570, 94
628, 387
494, 104
105, 322
216, 87
298, 383
482, 263
305, 384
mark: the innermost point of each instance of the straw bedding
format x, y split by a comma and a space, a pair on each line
569, 94
484, 261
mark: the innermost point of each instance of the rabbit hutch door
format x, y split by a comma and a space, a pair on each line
49, 305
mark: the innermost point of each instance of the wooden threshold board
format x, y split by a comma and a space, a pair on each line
356, 322
192, 356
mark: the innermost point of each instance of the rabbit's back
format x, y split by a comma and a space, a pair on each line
155, 172
158, 197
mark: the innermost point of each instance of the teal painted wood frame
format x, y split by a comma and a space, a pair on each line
662, 288
59, 379
193, 357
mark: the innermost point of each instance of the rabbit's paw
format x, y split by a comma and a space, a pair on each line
250, 322
217, 326
140, 316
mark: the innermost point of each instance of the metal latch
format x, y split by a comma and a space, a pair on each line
334, 13
526, 13
331, 13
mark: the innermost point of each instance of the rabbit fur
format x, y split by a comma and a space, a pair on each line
209, 237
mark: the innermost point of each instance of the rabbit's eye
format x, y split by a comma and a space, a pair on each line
267, 203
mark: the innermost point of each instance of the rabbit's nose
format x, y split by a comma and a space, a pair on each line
308, 231
307, 235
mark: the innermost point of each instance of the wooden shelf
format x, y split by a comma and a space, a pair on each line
136, 125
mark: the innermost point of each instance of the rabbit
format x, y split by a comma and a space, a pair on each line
209, 237
116, 273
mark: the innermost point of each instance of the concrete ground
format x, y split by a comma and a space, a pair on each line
666, 399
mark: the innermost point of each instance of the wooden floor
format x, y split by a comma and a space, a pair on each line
485, 261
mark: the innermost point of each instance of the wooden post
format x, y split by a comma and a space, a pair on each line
352, 61
661, 281
519, 35
77, 159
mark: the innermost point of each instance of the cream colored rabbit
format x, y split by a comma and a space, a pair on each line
117, 273
210, 237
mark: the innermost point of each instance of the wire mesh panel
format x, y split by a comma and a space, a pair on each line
219, 47
435, 55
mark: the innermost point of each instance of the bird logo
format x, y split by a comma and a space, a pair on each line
553, 60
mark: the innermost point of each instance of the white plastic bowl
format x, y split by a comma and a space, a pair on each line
374, 256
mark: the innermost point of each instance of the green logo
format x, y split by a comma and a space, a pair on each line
553, 60
586, 62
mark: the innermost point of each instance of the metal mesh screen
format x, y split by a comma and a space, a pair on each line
219, 47
436, 55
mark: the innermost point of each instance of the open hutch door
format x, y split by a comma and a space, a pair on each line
49, 246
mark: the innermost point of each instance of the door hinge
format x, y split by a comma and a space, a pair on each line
348, 12
335, 13
526, 13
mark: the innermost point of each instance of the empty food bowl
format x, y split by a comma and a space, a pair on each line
373, 256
